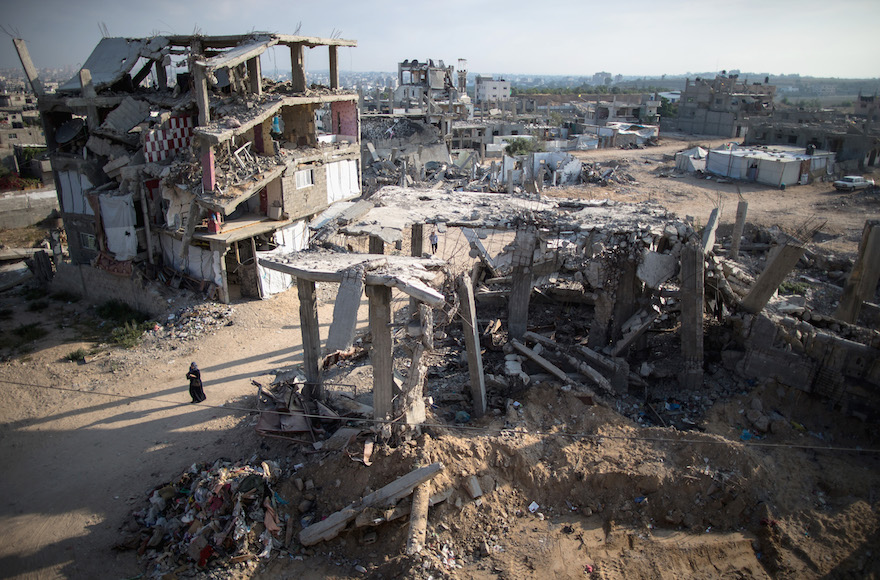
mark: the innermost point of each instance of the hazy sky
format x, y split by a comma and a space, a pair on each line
832, 38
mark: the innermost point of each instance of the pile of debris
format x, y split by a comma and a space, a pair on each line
220, 514
605, 172
398, 170
287, 412
193, 321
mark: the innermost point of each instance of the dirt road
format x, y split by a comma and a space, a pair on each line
73, 462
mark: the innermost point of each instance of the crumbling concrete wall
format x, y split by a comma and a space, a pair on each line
810, 358
705, 122
344, 118
307, 200
21, 209
97, 286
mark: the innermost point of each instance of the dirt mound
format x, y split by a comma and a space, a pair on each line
562, 486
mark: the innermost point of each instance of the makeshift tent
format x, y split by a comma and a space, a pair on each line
292, 238
342, 180
690, 160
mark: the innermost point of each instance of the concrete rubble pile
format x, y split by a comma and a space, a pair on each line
192, 322
211, 516
614, 305
288, 413
623, 264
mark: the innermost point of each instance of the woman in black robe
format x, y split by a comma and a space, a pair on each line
195, 384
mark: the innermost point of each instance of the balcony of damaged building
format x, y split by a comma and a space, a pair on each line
210, 169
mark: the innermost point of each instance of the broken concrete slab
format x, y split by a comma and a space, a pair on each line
330, 527
12, 275
654, 268
709, 231
773, 275
125, 117
861, 284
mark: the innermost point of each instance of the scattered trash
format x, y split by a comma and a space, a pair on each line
533, 507
208, 515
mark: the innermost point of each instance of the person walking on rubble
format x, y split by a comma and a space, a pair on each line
434, 239
195, 384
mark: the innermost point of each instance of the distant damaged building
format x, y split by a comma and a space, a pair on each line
723, 106
175, 158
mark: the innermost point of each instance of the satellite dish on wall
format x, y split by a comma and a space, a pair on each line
69, 130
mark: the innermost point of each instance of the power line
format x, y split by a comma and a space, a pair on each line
497, 432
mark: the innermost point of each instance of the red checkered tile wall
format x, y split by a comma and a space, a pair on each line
164, 143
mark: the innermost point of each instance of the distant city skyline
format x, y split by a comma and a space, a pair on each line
559, 37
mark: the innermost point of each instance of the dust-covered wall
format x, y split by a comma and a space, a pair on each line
98, 286
305, 200
344, 118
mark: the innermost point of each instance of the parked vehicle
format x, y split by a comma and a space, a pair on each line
852, 183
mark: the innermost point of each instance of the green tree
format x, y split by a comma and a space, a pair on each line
523, 146
667, 109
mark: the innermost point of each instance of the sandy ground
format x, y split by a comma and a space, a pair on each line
76, 464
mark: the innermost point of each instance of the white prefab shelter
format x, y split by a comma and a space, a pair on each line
775, 166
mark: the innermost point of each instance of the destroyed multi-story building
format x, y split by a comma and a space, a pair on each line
621, 109
724, 106
432, 91
868, 106
19, 126
189, 180
487, 89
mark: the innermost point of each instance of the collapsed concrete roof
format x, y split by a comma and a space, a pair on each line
396, 208
113, 58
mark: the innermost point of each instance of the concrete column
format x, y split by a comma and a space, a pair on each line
255, 75
200, 81
27, 64
521, 287
201, 86
739, 226
298, 68
220, 249
773, 275
161, 75
377, 246
311, 338
416, 247
709, 231
209, 174
88, 92
626, 295
334, 67
510, 181
861, 285
691, 330
345, 310
472, 343
263, 138
381, 351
